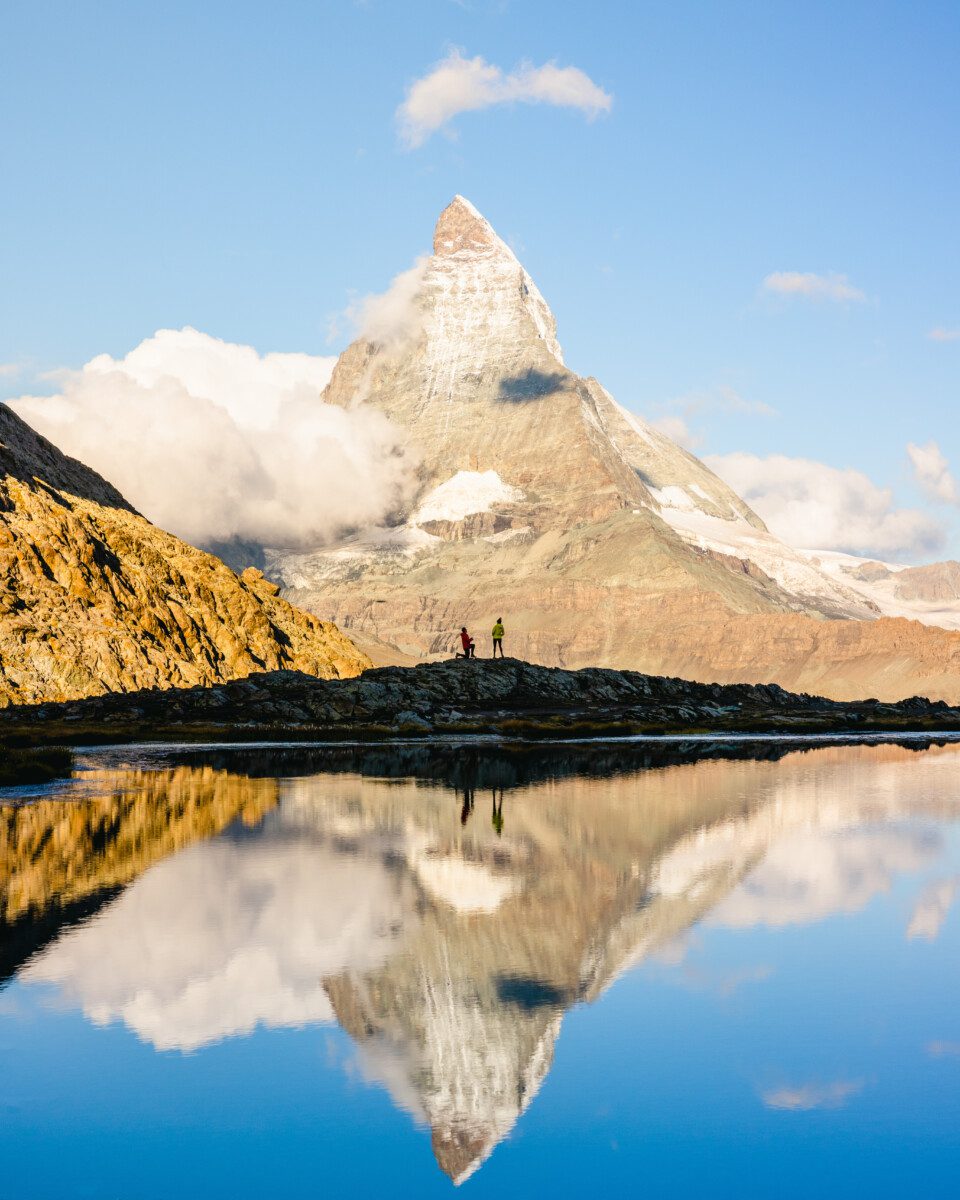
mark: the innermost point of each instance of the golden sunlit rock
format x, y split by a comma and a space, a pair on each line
94, 598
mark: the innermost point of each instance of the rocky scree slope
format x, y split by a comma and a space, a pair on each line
93, 598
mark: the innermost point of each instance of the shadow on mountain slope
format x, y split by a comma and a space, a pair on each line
530, 385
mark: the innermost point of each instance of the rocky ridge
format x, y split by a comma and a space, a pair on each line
505, 697
94, 598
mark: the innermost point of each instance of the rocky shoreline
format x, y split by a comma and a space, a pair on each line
507, 698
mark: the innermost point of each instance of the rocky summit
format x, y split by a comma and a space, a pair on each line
94, 598
597, 538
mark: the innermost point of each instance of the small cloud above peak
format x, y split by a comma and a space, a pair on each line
458, 84
940, 334
811, 286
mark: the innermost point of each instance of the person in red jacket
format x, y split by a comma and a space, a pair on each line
469, 649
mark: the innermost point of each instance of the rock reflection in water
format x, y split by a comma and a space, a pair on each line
446, 919
62, 859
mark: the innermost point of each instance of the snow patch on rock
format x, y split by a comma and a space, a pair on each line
464, 494
674, 497
786, 566
882, 591
468, 887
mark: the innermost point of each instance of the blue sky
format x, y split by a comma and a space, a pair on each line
238, 168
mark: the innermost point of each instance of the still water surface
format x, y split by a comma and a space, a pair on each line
676, 971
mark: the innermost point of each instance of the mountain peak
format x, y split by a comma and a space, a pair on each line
461, 227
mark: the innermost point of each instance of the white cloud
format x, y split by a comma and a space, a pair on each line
940, 334
931, 909
812, 1095
677, 422
699, 977
814, 506
214, 441
812, 874
457, 84
933, 472
392, 319
943, 1049
812, 286
727, 400
677, 430
10, 370
223, 937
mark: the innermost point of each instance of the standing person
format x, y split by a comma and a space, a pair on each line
469, 649
498, 637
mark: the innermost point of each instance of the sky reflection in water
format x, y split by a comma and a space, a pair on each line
279, 973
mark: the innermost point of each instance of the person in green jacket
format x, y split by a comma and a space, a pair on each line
497, 818
498, 637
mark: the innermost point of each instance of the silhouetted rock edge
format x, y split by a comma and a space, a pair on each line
508, 698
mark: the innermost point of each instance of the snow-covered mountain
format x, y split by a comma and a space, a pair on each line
541, 499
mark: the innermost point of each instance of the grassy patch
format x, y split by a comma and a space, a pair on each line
52, 735
539, 728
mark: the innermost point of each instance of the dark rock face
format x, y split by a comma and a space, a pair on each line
507, 697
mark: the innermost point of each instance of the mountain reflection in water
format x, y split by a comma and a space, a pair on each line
445, 907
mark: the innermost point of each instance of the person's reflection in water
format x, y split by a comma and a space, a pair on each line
468, 801
497, 819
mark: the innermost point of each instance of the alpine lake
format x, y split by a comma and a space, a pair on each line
663, 967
